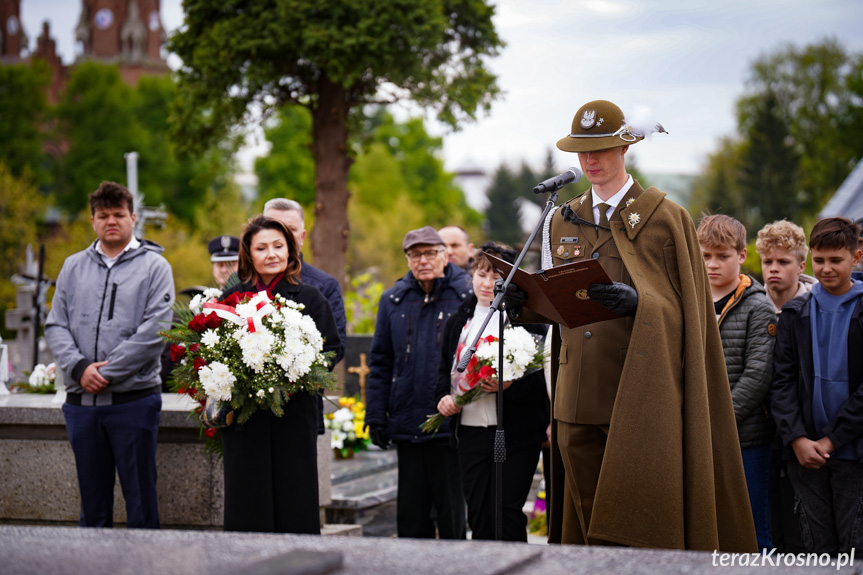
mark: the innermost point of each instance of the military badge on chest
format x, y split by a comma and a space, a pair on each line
568, 247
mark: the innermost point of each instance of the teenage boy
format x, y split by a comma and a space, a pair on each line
747, 326
782, 247
817, 397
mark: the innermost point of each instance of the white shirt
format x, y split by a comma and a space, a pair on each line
612, 202
483, 411
109, 261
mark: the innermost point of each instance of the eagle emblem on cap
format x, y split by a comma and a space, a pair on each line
588, 119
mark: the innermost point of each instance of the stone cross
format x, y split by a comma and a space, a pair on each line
362, 371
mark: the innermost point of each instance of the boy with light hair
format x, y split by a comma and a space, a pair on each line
747, 326
782, 247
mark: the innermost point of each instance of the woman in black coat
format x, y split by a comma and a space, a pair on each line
271, 463
526, 412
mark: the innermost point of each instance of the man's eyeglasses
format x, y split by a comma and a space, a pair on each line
428, 255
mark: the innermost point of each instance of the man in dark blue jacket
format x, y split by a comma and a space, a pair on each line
400, 396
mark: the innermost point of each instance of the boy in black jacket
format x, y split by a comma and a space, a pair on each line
816, 396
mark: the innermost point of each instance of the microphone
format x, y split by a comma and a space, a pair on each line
571, 176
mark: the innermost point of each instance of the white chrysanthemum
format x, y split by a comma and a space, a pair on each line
261, 393
217, 380
196, 303
212, 294
210, 338
246, 309
348, 426
256, 348
39, 376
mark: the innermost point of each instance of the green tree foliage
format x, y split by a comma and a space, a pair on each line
768, 163
502, 211
102, 118
97, 117
398, 183
330, 56
799, 136
23, 111
20, 207
419, 159
288, 170
717, 189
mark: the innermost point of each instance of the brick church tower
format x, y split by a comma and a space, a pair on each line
13, 40
126, 32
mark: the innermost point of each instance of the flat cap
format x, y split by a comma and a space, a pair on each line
224, 249
423, 236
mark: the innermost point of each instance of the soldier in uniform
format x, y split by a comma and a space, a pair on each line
644, 443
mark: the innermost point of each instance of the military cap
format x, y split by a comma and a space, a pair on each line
423, 236
224, 249
599, 125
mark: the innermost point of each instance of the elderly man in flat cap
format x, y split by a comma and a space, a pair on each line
400, 395
644, 442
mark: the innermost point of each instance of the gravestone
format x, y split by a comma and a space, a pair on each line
24, 319
356, 367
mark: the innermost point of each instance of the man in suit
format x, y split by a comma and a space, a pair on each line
290, 213
636, 436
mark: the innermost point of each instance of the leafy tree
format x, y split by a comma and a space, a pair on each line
180, 184
23, 110
288, 171
717, 189
502, 212
420, 162
768, 163
97, 118
812, 91
20, 207
330, 56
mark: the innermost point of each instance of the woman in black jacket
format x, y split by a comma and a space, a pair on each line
525, 414
271, 463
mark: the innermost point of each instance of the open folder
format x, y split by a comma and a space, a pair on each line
560, 293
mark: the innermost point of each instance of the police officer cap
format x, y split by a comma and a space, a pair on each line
224, 249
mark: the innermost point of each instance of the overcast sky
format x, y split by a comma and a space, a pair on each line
682, 62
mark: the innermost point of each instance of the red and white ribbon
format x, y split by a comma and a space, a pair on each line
263, 306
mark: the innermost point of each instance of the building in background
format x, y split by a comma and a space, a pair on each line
128, 33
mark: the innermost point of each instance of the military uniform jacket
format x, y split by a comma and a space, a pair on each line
672, 474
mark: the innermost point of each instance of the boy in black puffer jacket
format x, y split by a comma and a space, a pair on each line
747, 325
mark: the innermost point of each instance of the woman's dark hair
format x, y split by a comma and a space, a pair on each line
496, 249
246, 269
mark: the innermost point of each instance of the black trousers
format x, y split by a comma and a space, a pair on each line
476, 458
271, 470
429, 480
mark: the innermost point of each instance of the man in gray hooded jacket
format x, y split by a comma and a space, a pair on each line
110, 302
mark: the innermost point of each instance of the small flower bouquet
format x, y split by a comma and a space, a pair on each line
348, 427
522, 353
41, 380
249, 350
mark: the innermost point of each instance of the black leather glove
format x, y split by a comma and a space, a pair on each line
514, 297
618, 297
378, 435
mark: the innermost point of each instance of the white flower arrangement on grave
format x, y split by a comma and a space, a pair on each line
41, 380
249, 350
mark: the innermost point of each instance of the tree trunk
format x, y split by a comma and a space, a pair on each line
330, 151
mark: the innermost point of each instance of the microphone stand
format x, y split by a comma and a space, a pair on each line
497, 305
